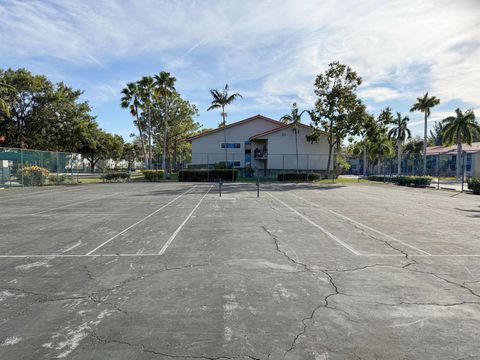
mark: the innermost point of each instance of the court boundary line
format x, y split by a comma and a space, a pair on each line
25, 256
74, 203
41, 192
363, 225
138, 222
326, 232
174, 235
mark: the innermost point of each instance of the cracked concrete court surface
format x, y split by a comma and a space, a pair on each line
172, 271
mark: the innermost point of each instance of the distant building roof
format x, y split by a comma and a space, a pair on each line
256, 117
452, 149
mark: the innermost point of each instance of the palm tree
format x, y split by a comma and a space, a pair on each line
146, 90
380, 148
164, 88
459, 128
413, 148
222, 98
424, 104
400, 133
294, 118
436, 135
131, 100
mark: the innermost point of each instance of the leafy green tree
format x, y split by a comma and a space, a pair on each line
221, 98
413, 150
164, 89
425, 104
400, 132
131, 100
436, 135
380, 148
458, 129
295, 118
338, 111
131, 153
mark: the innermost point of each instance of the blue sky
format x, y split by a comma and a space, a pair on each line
269, 51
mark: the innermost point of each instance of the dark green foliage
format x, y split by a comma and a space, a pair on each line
117, 177
299, 177
474, 185
417, 181
207, 175
153, 175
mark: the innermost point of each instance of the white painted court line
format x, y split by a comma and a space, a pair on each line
26, 196
76, 203
174, 235
138, 222
364, 226
153, 255
326, 232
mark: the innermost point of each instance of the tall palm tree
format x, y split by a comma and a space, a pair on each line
294, 118
222, 98
146, 90
460, 128
131, 100
424, 104
164, 88
400, 132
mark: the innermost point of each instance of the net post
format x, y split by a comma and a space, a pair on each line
220, 188
258, 187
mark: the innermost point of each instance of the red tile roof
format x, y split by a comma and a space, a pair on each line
452, 149
256, 117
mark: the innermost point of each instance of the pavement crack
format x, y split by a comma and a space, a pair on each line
284, 253
144, 349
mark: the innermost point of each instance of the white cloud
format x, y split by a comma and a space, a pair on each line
400, 48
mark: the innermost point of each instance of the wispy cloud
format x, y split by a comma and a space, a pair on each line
270, 50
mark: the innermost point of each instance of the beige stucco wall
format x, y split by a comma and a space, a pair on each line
282, 154
211, 144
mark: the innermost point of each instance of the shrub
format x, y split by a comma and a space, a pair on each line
54, 179
153, 175
115, 177
205, 175
417, 181
298, 177
474, 185
34, 175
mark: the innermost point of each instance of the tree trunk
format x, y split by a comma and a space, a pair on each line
459, 158
399, 157
149, 139
365, 162
329, 161
164, 160
425, 145
142, 140
225, 136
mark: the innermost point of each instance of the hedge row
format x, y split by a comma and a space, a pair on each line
153, 175
417, 181
474, 185
115, 177
298, 177
207, 175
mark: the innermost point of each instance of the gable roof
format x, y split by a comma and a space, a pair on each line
283, 127
256, 117
434, 150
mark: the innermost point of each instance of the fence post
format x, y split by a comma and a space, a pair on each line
283, 167
438, 171
21, 163
58, 166
71, 166
233, 166
463, 168
41, 165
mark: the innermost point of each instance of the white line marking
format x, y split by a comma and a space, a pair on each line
52, 256
326, 232
40, 192
174, 235
75, 203
77, 244
138, 222
362, 225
